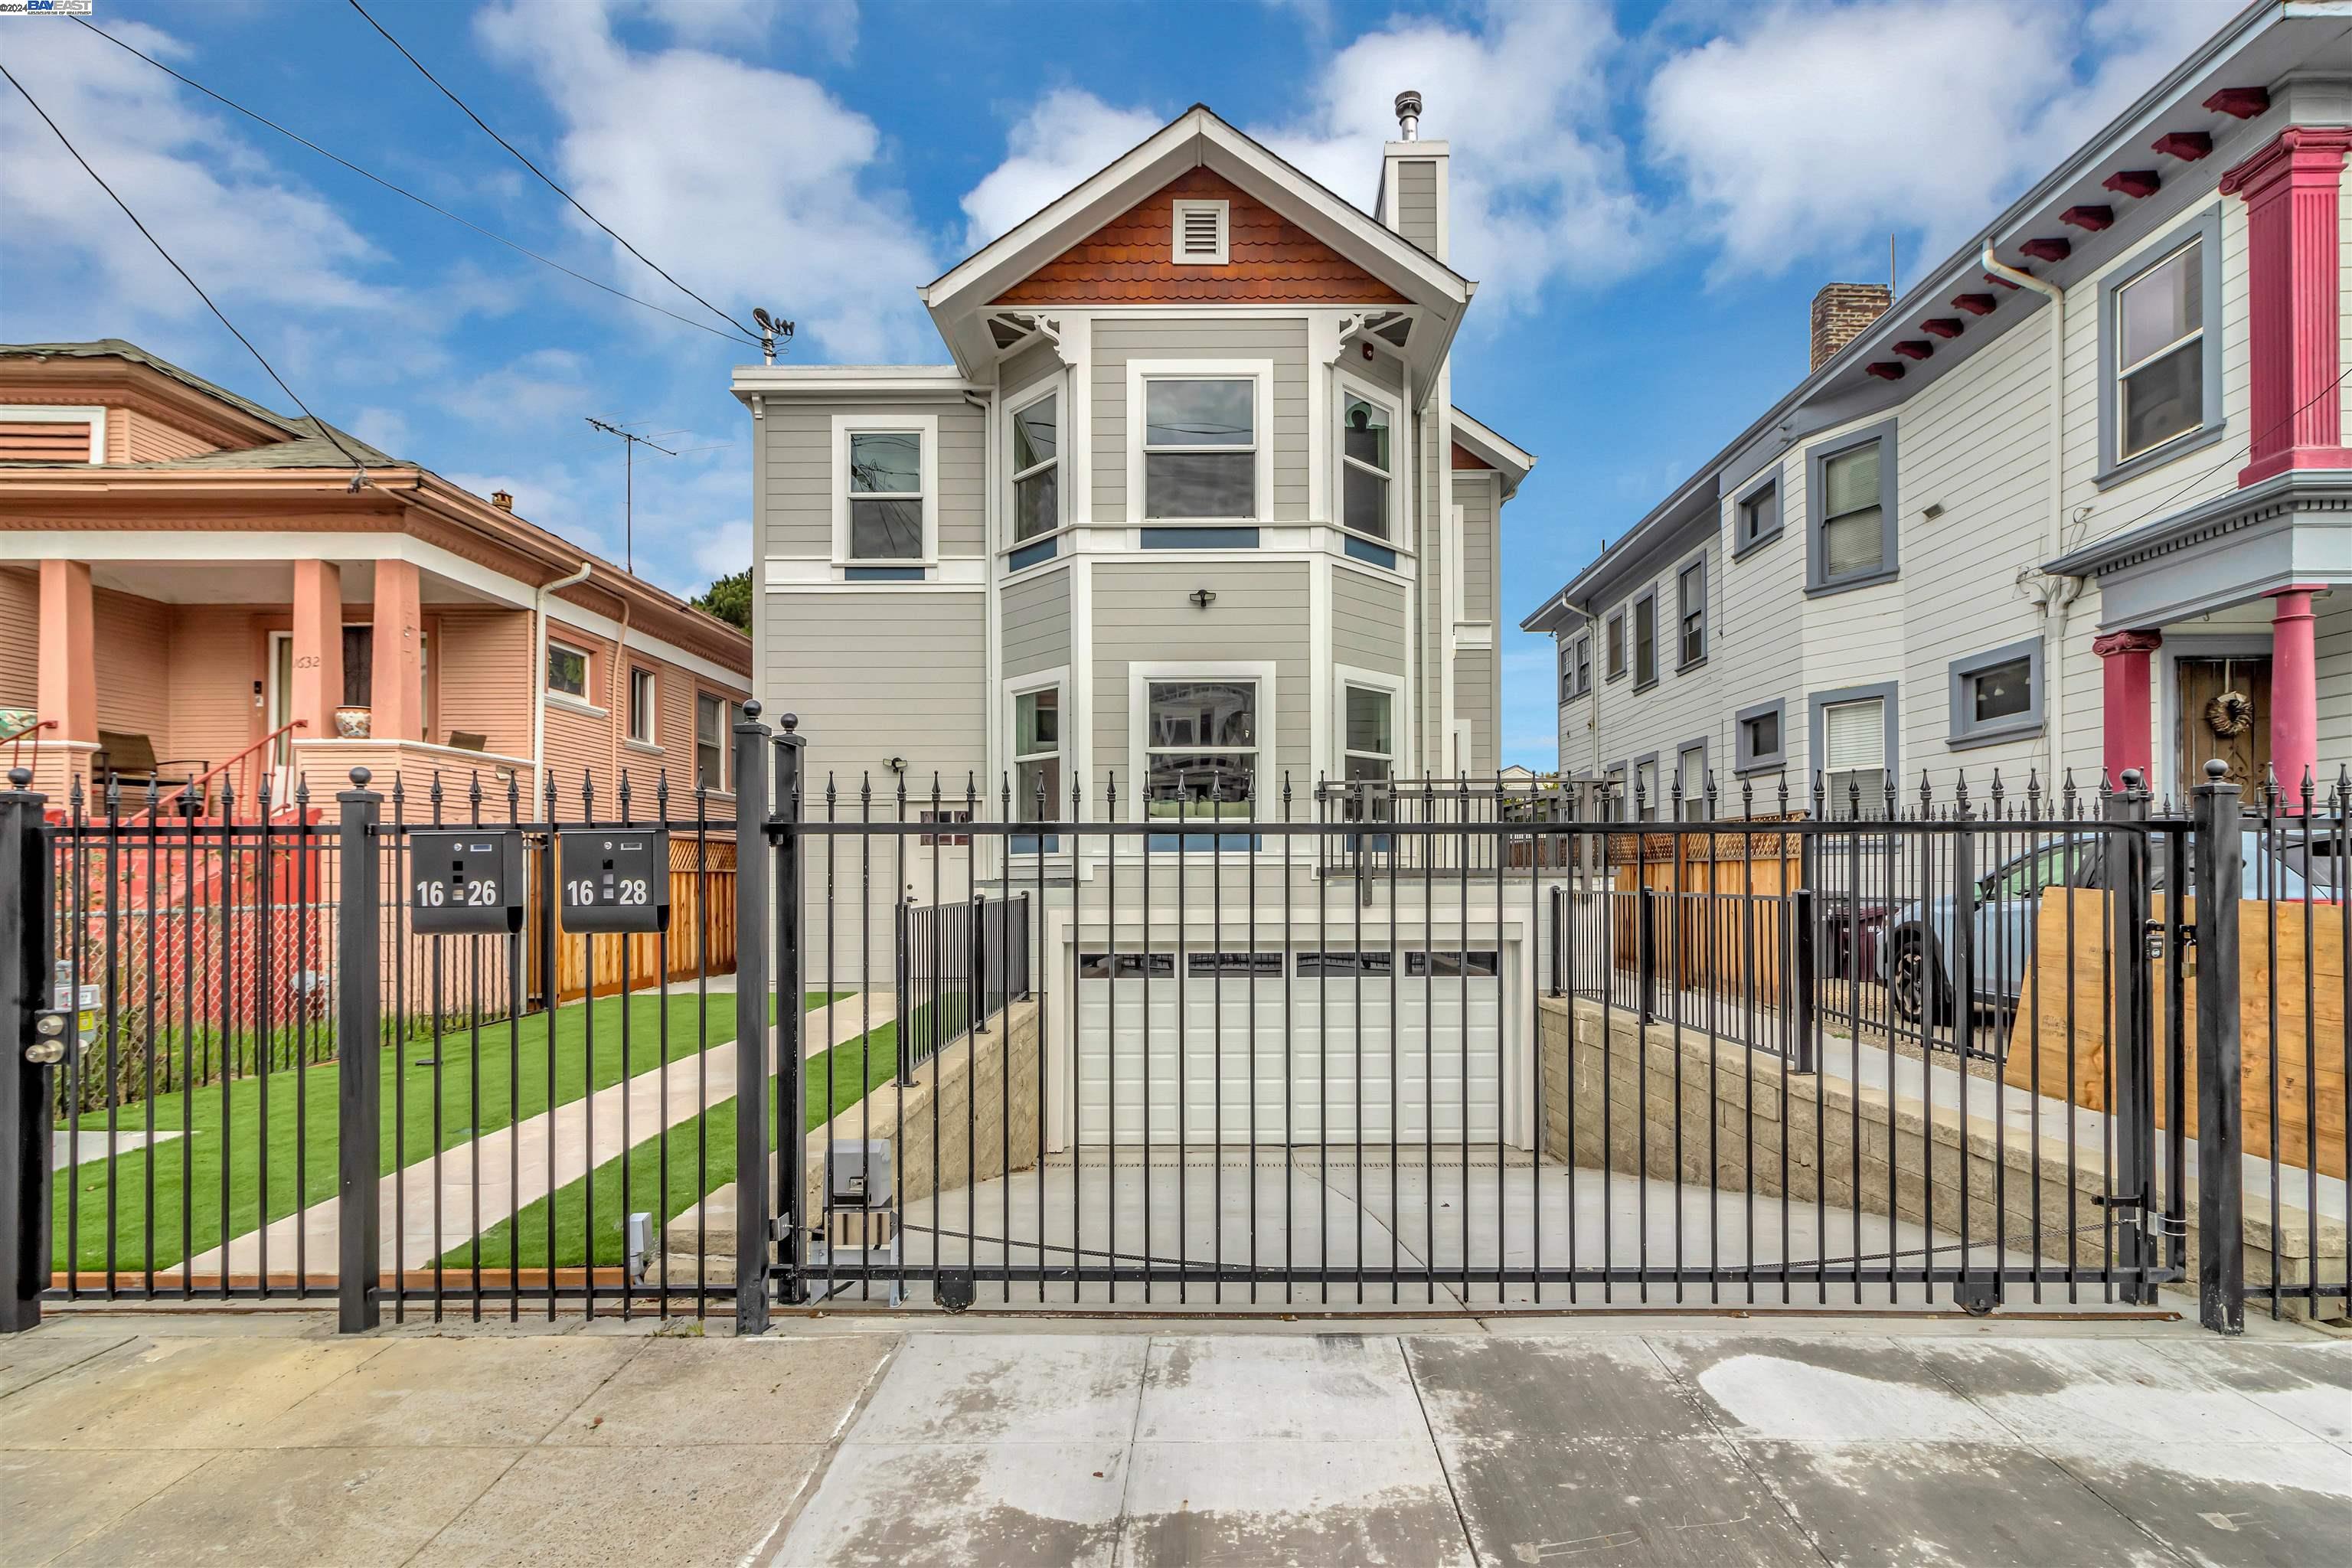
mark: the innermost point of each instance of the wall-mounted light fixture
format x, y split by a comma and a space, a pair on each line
896, 764
1935, 510
1203, 597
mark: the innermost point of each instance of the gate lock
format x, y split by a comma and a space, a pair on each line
2185, 941
53, 1036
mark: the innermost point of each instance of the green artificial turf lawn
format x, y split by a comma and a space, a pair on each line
702, 1159
286, 1124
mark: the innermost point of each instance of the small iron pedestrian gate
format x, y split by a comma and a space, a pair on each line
1404, 1045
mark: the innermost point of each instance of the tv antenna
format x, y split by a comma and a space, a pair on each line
629, 484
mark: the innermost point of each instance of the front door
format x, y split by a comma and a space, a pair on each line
2225, 712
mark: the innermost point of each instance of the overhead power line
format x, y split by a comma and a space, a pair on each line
260, 119
544, 178
360, 475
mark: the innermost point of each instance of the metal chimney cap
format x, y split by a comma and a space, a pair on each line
1407, 112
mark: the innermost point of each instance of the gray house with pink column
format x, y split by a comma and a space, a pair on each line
2078, 501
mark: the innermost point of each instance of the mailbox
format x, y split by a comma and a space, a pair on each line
464, 879
613, 879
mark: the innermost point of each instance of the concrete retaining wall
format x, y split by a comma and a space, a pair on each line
1633, 1084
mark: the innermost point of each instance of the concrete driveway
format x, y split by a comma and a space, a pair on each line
265, 1438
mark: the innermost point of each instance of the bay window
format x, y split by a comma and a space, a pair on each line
1200, 447
1366, 465
1037, 763
1037, 476
1200, 746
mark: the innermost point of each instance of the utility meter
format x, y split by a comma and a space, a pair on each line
613, 879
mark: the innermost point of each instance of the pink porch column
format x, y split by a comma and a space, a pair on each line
2295, 693
67, 683
2126, 729
396, 705
2292, 287
318, 647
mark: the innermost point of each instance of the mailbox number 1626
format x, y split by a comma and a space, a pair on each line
626, 891
480, 893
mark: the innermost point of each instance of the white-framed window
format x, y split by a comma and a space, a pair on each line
1197, 446
710, 742
1370, 718
886, 491
1035, 465
1203, 232
1853, 755
1690, 604
567, 669
1040, 787
1368, 451
643, 707
2159, 374
1196, 735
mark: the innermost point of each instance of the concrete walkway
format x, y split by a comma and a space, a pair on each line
167, 1439
504, 1171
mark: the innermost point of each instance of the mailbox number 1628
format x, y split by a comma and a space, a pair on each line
626, 891
480, 893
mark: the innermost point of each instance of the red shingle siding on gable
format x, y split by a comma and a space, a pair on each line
1131, 258
1465, 459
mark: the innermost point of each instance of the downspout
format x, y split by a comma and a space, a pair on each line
617, 694
539, 671
2056, 596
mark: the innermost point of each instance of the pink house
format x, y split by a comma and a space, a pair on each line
195, 589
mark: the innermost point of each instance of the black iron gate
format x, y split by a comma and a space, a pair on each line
1199, 1042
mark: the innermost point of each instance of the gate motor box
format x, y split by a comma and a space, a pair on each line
613, 879
466, 880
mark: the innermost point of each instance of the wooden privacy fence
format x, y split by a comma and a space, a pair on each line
701, 936
1719, 909
2298, 1066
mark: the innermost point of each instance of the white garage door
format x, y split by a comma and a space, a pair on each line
1403, 1056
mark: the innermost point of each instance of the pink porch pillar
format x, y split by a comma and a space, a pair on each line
318, 647
2295, 693
396, 705
2291, 286
2126, 729
66, 684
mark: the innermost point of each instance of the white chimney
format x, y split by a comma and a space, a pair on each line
1413, 185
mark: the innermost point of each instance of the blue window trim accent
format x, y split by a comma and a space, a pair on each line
1199, 539
1365, 550
1033, 844
882, 574
1199, 843
1032, 554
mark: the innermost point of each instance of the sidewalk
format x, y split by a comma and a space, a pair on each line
165, 1439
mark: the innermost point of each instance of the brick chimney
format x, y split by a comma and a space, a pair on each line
1841, 311
504, 500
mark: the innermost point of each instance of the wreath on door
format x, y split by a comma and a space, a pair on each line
2231, 713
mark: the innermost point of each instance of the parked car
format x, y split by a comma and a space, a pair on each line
1915, 962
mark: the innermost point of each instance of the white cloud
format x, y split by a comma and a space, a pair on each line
246, 232
1815, 129
755, 187
1069, 135
1538, 188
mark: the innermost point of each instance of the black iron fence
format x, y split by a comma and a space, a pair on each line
1495, 1048
958, 966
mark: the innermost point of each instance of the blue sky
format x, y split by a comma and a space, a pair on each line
1649, 193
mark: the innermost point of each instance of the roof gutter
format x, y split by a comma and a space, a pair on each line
2055, 595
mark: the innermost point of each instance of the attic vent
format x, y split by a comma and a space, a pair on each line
1202, 233
46, 441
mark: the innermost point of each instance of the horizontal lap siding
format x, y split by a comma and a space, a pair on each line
147, 439
1142, 615
1281, 340
1034, 629
482, 676
2335, 639
1474, 494
216, 658
1031, 364
1367, 621
135, 655
1474, 701
875, 675
1417, 202
20, 637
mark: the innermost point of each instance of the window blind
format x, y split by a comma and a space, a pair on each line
1855, 735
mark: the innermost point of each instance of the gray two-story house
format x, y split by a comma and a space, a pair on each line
1186, 521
